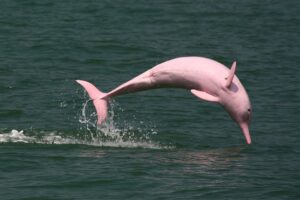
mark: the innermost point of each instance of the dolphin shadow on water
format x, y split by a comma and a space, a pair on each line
207, 79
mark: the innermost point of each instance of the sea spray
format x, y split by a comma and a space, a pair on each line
60, 138
113, 131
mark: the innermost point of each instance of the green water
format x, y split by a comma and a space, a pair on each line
159, 144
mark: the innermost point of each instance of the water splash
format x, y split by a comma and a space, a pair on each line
15, 136
113, 133
58, 138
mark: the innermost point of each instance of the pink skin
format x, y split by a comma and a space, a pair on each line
206, 78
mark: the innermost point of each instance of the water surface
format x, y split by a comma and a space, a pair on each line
159, 144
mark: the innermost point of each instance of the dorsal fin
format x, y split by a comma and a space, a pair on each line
231, 74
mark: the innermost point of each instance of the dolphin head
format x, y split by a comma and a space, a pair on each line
237, 103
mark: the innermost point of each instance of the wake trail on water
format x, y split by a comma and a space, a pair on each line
108, 135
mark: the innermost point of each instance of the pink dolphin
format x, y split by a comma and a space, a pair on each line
207, 79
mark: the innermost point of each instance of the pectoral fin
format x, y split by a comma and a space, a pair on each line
204, 96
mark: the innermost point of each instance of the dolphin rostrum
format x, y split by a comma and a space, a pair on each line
207, 79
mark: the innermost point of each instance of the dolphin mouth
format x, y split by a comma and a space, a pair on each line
245, 130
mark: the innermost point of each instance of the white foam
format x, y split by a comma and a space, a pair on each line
15, 136
109, 135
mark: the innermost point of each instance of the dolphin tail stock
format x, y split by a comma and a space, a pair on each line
96, 95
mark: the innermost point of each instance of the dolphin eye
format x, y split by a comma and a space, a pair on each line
249, 110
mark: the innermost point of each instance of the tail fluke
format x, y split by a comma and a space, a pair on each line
95, 94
